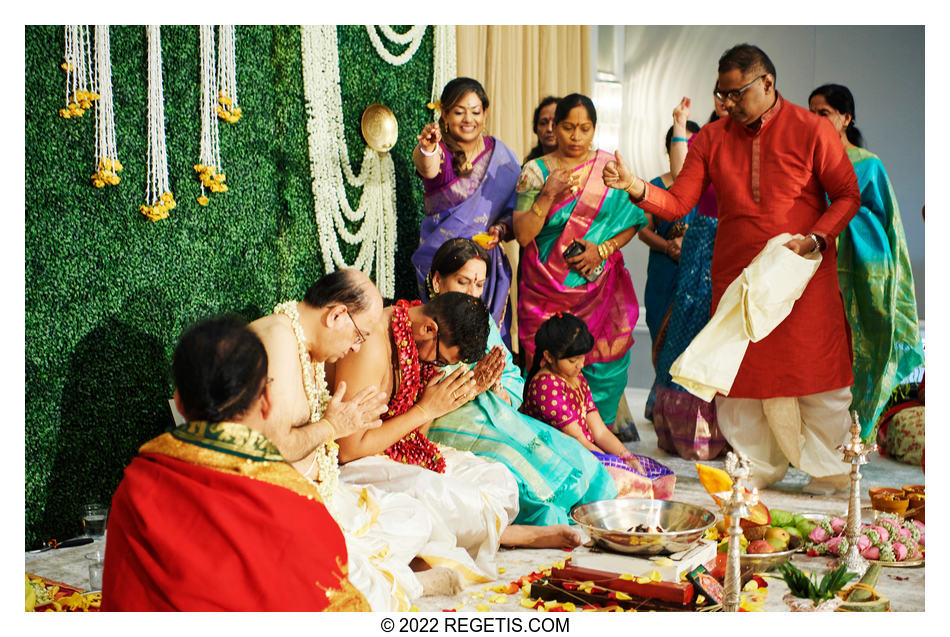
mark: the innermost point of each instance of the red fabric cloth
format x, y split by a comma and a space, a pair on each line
769, 181
182, 537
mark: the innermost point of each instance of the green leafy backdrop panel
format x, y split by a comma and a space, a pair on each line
108, 292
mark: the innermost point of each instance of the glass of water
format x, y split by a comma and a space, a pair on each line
94, 520
96, 560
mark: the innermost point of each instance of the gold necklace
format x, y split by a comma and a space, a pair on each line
479, 148
576, 178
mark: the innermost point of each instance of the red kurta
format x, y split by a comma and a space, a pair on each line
227, 535
769, 181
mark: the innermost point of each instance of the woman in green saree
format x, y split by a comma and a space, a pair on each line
874, 271
554, 472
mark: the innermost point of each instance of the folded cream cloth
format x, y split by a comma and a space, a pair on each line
752, 306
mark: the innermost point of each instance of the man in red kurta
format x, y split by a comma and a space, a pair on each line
209, 517
772, 164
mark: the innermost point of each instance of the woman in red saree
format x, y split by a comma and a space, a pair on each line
209, 517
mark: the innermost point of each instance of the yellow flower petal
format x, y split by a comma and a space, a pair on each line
482, 608
622, 595
527, 602
627, 577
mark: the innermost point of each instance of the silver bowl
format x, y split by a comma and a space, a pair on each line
762, 562
607, 522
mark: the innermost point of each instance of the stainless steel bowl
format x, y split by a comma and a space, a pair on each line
762, 562
607, 522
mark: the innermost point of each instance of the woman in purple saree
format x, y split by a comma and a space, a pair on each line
469, 181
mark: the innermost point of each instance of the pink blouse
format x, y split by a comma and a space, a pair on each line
551, 399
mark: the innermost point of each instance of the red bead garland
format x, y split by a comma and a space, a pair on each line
414, 447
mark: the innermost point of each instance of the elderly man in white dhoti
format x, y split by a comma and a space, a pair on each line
383, 531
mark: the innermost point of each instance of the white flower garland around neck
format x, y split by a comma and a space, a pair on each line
329, 163
412, 37
327, 456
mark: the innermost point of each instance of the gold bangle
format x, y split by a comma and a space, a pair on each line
537, 211
602, 251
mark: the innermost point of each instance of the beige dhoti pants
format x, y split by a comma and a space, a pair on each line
802, 430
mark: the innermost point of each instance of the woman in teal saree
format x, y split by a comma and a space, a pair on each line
563, 205
554, 472
874, 271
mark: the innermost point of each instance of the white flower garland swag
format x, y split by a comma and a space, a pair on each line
326, 456
412, 37
329, 163
158, 196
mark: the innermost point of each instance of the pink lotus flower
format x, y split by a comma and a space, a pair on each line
837, 525
818, 535
871, 553
882, 532
833, 544
900, 551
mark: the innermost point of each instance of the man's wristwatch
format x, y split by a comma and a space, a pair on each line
820, 244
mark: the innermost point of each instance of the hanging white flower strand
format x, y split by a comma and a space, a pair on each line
80, 88
443, 64
412, 37
228, 108
209, 164
329, 158
107, 154
158, 196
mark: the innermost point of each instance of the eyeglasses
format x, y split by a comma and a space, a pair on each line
360, 339
438, 362
735, 95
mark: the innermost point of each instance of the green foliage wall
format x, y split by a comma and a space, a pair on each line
108, 292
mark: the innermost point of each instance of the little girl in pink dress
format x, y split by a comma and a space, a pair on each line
557, 394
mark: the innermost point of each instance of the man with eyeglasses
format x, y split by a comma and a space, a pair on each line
335, 316
421, 363
776, 169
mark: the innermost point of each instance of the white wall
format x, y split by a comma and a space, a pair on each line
882, 65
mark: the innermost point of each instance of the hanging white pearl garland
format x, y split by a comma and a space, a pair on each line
329, 158
209, 167
228, 108
412, 37
107, 154
77, 62
158, 196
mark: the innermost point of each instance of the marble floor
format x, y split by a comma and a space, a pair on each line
903, 586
